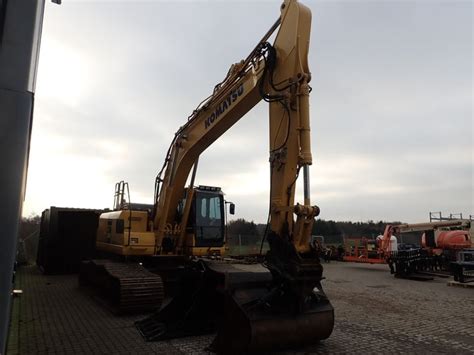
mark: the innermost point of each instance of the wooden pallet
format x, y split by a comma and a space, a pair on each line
460, 284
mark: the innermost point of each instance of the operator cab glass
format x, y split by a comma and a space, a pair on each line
208, 209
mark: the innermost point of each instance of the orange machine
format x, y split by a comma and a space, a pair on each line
452, 240
362, 250
445, 235
440, 244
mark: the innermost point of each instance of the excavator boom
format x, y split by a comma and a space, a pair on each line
278, 74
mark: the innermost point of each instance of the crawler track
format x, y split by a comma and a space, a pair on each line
129, 288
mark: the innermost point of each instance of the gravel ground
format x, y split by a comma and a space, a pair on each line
375, 313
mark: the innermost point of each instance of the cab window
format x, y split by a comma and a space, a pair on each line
209, 226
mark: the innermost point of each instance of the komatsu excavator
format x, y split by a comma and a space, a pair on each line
277, 304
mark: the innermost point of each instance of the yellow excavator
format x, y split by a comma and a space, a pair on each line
180, 241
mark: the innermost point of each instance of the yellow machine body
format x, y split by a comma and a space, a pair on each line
125, 233
115, 237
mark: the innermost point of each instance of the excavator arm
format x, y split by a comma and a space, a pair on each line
278, 74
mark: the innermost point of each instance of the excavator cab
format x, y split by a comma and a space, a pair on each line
204, 221
207, 221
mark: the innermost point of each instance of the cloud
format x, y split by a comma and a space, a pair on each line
391, 106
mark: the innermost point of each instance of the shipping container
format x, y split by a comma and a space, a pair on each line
67, 236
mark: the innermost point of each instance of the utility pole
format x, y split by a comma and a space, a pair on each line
21, 23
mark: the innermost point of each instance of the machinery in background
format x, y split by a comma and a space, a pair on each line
438, 217
362, 250
463, 267
254, 308
441, 243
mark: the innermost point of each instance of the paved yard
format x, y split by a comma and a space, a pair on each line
375, 313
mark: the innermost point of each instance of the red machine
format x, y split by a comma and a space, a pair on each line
455, 239
446, 235
362, 250
441, 242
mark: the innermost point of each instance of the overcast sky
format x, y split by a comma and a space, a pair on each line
391, 106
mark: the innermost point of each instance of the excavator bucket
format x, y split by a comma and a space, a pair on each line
255, 331
249, 312
258, 319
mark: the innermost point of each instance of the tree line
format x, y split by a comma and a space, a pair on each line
369, 229
330, 228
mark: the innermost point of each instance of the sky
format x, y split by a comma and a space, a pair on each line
391, 105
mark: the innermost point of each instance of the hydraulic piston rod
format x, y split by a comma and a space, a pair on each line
307, 197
